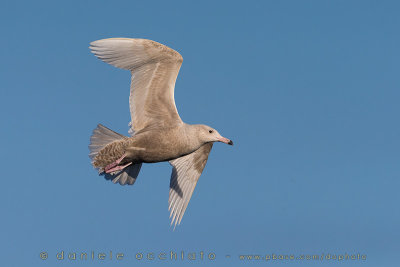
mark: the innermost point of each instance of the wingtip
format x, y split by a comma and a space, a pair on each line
175, 223
92, 47
96, 44
93, 44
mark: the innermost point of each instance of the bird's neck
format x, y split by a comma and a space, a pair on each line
192, 136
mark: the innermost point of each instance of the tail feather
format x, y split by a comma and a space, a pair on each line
101, 137
125, 176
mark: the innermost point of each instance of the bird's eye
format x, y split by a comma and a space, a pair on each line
210, 131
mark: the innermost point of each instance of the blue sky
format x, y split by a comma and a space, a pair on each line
307, 90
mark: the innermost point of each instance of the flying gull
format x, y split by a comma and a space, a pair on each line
157, 132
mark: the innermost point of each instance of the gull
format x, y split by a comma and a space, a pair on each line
157, 133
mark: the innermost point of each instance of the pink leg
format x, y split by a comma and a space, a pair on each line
117, 168
114, 164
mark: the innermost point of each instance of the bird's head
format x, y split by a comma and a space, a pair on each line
208, 134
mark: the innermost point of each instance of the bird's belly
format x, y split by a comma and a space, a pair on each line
159, 154
152, 152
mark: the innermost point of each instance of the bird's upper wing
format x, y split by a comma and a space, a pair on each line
154, 69
185, 174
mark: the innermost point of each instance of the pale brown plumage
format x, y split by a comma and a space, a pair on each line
109, 154
158, 133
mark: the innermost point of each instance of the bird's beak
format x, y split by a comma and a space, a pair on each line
225, 140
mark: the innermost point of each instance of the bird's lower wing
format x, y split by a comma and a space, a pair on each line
185, 174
